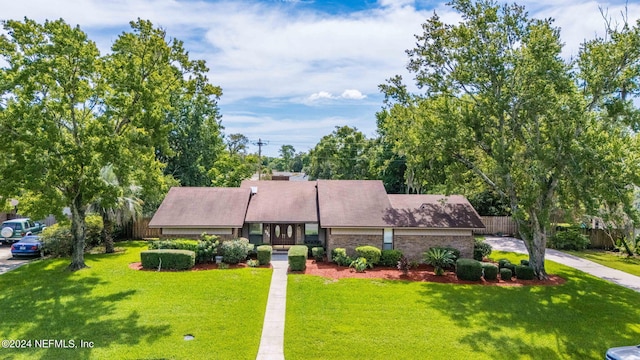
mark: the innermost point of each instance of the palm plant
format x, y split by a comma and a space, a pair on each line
116, 207
440, 258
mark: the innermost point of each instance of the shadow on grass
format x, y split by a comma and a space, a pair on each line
44, 301
580, 319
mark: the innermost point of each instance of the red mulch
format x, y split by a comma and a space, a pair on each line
422, 273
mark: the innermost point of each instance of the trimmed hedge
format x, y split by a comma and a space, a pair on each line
264, 254
371, 253
490, 271
524, 272
502, 262
524, 262
318, 253
468, 269
506, 274
205, 249
390, 258
168, 259
297, 257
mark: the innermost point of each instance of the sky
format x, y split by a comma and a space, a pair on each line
293, 70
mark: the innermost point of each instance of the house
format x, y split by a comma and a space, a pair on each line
333, 213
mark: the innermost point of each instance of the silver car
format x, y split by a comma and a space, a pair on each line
624, 353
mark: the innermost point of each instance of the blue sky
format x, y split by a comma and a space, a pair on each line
292, 70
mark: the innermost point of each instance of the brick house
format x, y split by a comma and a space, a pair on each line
333, 213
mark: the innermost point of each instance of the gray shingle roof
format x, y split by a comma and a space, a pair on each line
352, 203
432, 211
282, 201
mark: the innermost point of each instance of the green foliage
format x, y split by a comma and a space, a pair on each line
297, 255
360, 264
489, 271
440, 258
524, 262
223, 266
524, 272
205, 250
469, 269
236, 250
503, 262
481, 249
318, 253
506, 274
390, 258
340, 257
340, 155
253, 263
371, 253
58, 241
264, 254
570, 239
454, 252
168, 259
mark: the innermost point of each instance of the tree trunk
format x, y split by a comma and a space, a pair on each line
107, 235
78, 233
536, 242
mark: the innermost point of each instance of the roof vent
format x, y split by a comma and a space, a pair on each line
254, 190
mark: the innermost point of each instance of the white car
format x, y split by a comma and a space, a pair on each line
624, 353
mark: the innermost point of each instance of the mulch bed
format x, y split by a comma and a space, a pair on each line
423, 273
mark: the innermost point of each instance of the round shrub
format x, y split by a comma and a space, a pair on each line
524, 272
505, 274
502, 262
318, 253
468, 269
264, 254
340, 257
371, 253
490, 271
236, 250
481, 249
390, 258
524, 262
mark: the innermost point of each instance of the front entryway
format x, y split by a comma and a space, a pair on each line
283, 234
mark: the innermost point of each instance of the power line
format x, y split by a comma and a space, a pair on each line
260, 144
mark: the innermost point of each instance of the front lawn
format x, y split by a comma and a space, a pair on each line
619, 261
132, 314
379, 319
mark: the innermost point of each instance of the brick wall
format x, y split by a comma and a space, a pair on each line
413, 246
351, 242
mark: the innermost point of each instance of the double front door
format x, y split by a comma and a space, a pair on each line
283, 234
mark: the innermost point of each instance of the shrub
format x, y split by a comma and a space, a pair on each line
264, 254
481, 249
506, 274
253, 263
524, 272
468, 269
571, 239
236, 250
205, 250
490, 271
440, 258
503, 262
340, 257
511, 267
310, 245
223, 266
390, 257
168, 259
360, 264
371, 253
57, 239
404, 265
297, 257
318, 253
524, 262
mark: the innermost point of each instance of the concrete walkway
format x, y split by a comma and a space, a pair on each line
616, 276
272, 340
7, 262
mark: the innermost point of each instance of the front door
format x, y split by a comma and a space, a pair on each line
283, 234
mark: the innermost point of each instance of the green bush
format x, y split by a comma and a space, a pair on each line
310, 245
571, 239
57, 239
264, 254
168, 259
440, 258
524, 262
468, 269
236, 250
253, 263
490, 271
511, 267
503, 262
455, 252
481, 249
360, 264
318, 253
506, 274
297, 257
524, 272
340, 257
371, 253
205, 250
390, 258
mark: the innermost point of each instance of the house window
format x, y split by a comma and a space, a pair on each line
255, 229
388, 239
311, 233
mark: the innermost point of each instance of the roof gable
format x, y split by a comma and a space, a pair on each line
282, 201
432, 211
352, 203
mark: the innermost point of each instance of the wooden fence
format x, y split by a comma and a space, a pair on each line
502, 225
140, 230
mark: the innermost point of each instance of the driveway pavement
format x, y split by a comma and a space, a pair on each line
7, 263
616, 276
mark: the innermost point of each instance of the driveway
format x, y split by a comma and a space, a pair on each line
7, 263
616, 276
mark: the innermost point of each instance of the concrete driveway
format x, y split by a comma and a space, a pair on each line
7, 263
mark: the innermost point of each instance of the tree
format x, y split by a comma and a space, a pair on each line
340, 155
70, 112
231, 169
287, 153
500, 103
237, 144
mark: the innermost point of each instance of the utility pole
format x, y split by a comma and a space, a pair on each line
260, 144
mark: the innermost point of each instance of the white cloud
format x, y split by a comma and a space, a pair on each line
320, 95
352, 94
349, 94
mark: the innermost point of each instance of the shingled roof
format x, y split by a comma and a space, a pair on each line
432, 211
186, 207
352, 203
282, 201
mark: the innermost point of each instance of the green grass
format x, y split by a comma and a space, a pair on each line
130, 314
618, 261
379, 319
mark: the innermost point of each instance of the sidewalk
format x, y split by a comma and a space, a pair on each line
272, 340
616, 276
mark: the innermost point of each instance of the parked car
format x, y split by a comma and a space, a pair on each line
12, 231
624, 353
27, 246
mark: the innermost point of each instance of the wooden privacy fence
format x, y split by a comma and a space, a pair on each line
503, 225
140, 230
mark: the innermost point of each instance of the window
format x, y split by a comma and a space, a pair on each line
255, 229
311, 229
388, 239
